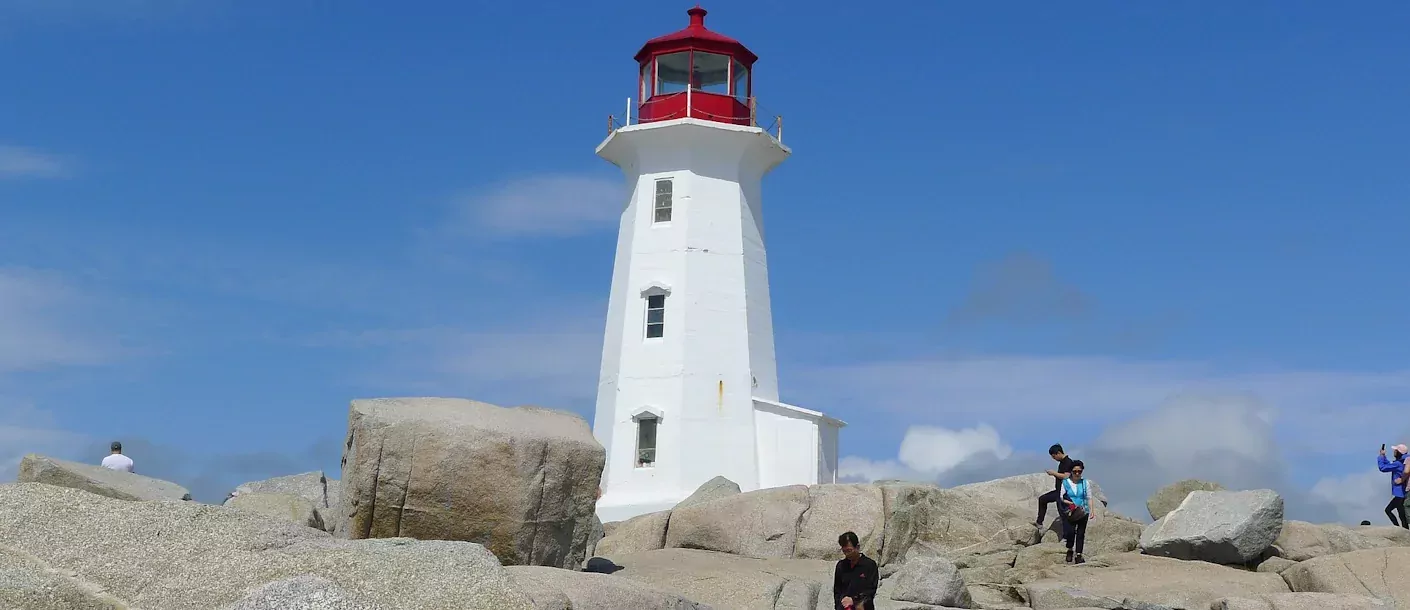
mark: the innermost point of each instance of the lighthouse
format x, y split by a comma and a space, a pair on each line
689, 385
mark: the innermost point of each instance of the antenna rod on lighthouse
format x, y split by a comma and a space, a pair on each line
629, 113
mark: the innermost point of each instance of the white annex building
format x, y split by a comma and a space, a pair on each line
689, 386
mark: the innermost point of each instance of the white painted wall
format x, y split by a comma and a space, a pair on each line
717, 354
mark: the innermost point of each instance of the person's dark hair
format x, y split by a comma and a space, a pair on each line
1055, 449
117, 446
849, 538
1078, 464
1365, 523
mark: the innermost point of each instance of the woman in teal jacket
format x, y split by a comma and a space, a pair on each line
1076, 494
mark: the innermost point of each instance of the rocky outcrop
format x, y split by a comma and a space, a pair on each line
641, 533
1375, 573
728, 581
931, 580
1168, 498
760, 524
183, 555
27, 583
833, 509
289, 507
1131, 580
556, 589
115, 484
1302, 601
716, 488
314, 487
1300, 540
521, 481
1228, 527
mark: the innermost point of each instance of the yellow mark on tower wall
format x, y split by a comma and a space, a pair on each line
721, 399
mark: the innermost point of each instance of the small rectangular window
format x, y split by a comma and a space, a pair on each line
655, 316
662, 210
646, 442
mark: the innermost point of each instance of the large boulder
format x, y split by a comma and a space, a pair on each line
289, 507
183, 555
1141, 581
315, 487
1302, 601
729, 581
1300, 540
115, 484
1373, 572
834, 509
26, 583
930, 580
640, 533
521, 481
1168, 498
1228, 527
557, 589
718, 487
760, 524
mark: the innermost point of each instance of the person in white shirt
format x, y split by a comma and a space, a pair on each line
118, 461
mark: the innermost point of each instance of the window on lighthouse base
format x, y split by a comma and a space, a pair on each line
646, 441
661, 209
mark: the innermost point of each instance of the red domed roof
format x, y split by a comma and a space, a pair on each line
696, 36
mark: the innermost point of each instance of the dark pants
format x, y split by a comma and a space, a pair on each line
1398, 506
1075, 534
1043, 502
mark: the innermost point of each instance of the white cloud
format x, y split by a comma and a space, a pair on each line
1357, 497
927, 452
41, 323
550, 205
20, 162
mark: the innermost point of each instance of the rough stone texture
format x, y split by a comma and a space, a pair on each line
1168, 498
1023, 490
303, 593
1228, 527
1052, 595
833, 509
714, 489
1275, 565
26, 583
289, 507
926, 521
640, 533
1107, 532
1131, 578
550, 588
1300, 541
315, 487
1302, 601
735, 583
522, 481
115, 484
595, 537
760, 524
1376, 573
932, 581
188, 556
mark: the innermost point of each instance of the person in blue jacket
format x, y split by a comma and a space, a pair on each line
1396, 468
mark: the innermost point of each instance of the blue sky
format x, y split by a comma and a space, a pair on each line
1117, 225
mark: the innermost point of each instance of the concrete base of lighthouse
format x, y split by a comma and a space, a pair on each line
793, 446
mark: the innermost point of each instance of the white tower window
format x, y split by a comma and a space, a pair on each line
646, 441
655, 316
664, 193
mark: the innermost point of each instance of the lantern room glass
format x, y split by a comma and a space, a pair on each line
672, 72
710, 73
740, 86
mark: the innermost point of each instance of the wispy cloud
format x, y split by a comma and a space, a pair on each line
19, 162
1021, 288
44, 322
553, 205
25, 429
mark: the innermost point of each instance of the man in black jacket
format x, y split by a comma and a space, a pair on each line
856, 578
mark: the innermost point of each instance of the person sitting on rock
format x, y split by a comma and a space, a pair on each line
1052, 497
855, 581
116, 460
1397, 469
1077, 497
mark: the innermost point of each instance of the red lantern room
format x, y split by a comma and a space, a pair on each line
696, 73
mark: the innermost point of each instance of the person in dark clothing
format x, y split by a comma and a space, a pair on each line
1397, 470
1076, 496
855, 581
1059, 475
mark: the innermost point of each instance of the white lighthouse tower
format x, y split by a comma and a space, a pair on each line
689, 386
